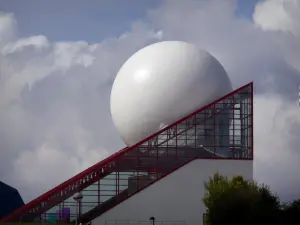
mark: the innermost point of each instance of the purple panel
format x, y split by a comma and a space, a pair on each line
63, 215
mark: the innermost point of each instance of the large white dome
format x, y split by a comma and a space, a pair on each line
160, 84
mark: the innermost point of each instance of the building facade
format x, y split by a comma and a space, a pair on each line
162, 176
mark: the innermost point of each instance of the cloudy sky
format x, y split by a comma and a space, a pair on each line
58, 60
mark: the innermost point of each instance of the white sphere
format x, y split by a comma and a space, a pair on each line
160, 84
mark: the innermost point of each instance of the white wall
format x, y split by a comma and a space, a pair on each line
177, 196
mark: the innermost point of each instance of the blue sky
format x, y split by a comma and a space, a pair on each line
92, 20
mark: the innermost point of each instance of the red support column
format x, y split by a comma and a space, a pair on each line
118, 183
176, 141
99, 192
233, 125
214, 119
252, 121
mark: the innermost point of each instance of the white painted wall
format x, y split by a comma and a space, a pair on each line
178, 196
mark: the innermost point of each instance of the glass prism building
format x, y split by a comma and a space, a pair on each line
162, 176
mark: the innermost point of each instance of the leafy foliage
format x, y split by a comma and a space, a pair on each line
238, 201
291, 212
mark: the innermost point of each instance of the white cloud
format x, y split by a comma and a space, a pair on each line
278, 15
276, 143
54, 105
19, 45
7, 28
282, 16
54, 96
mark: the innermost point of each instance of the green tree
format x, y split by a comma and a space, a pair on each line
291, 212
238, 201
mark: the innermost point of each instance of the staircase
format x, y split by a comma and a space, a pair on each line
147, 161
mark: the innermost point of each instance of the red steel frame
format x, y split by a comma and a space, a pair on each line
220, 130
